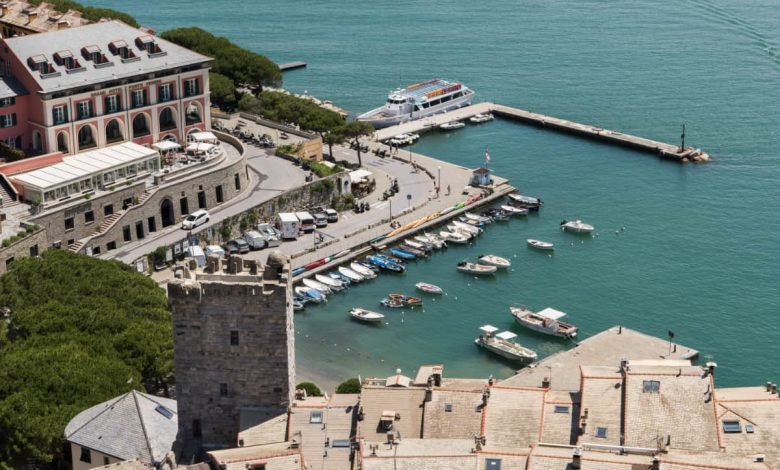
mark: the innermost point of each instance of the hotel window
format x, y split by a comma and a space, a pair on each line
86, 455
223, 391
89, 217
84, 109
191, 87
165, 93
60, 114
139, 98
111, 104
8, 120
234, 337
70, 223
5, 102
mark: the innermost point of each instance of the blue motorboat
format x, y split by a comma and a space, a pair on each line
312, 295
339, 277
403, 254
385, 263
390, 258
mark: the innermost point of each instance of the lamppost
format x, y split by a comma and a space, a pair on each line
438, 185
390, 200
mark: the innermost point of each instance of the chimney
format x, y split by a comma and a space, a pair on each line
428, 394
774, 388
32, 16
656, 463
769, 386
759, 458
546, 382
576, 458
623, 365
3, 9
437, 379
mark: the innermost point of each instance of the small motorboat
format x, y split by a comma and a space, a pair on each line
476, 268
547, 321
312, 295
391, 303
480, 118
464, 226
403, 254
407, 300
345, 281
452, 228
317, 285
419, 252
437, 241
504, 345
528, 202
297, 305
454, 237
478, 218
364, 271
429, 288
500, 216
493, 260
385, 263
351, 274
366, 315
451, 126
424, 247
512, 210
540, 245
329, 281
576, 226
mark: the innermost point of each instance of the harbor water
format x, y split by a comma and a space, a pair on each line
687, 248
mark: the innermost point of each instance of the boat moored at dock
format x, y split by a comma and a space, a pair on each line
512, 210
418, 101
351, 274
480, 118
527, 202
329, 281
317, 285
451, 126
362, 270
385, 263
406, 300
504, 345
311, 295
547, 321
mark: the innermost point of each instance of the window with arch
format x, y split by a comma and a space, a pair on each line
140, 126
193, 114
167, 120
86, 138
113, 131
62, 142
37, 142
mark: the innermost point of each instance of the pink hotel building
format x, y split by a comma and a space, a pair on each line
96, 85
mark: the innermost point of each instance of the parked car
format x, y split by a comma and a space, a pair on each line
214, 250
320, 219
197, 218
273, 237
333, 216
255, 240
236, 246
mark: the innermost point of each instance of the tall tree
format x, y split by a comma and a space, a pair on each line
334, 137
355, 130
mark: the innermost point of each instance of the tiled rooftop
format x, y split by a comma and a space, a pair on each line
513, 418
453, 414
407, 402
601, 397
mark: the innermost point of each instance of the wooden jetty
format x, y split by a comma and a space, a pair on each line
291, 66
661, 149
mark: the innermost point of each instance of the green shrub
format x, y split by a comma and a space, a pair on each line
312, 389
349, 386
282, 107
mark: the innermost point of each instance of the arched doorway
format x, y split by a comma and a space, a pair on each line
167, 120
86, 138
193, 114
113, 131
37, 145
166, 213
140, 126
62, 142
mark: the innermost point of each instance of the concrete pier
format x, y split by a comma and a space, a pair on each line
292, 66
661, 149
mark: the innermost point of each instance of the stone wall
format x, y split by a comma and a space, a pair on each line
233, 350
31, 245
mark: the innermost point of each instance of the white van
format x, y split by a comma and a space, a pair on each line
306, 221
255, 240
215, 250
197, 254
288, 224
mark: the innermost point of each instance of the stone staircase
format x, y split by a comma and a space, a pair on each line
76, 247
109, 221
9, 200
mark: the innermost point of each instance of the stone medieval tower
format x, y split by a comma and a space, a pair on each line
233, 348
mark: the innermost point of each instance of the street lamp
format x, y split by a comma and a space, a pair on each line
438, 185
391, 208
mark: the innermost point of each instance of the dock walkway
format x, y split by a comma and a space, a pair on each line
292, 65
661, 149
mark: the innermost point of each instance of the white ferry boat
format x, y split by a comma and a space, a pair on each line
417, 101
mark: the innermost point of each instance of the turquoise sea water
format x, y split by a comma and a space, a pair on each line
699, 254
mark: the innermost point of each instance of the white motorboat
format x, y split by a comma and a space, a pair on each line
540, 245
311, 295
417, 101
451, 126
576, 226
480, 118
478, 218
429, 288
493, 260
547, 321
350, 274
334, 284
468, 228
504, 345
512, 210
529, 202
476, 268
418, 245
454, 237
431, 240
454, 229
367, 273
403, 139
317, 285
366, 315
